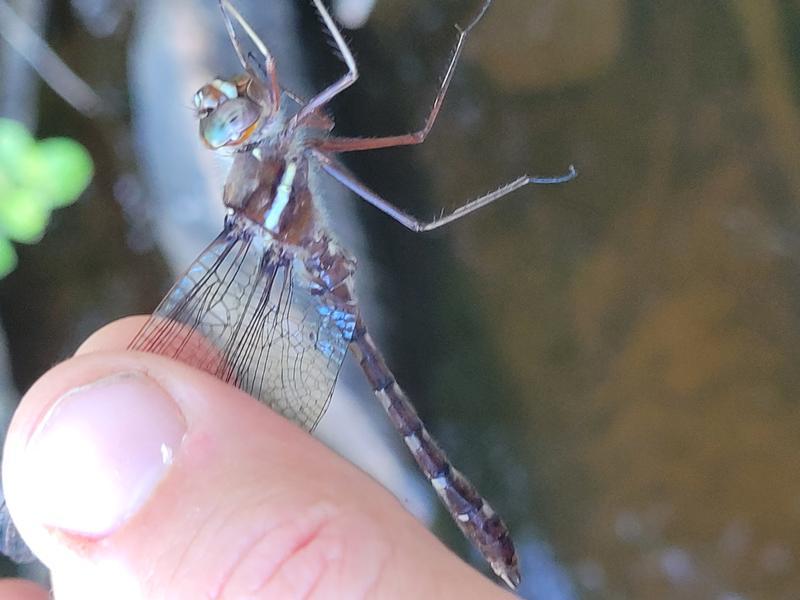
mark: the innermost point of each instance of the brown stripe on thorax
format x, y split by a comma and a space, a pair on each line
253, 186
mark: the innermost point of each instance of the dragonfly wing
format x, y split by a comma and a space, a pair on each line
244, 311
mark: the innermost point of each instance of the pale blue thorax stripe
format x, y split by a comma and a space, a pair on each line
282, 195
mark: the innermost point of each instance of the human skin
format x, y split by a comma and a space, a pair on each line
240, 503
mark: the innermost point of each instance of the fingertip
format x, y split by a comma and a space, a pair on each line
114, 336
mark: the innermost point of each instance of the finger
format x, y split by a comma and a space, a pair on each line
20, 589
168, 483
120, 335
114, 336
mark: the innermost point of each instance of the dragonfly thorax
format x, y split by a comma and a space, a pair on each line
273, 192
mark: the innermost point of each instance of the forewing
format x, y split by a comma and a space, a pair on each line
244, 312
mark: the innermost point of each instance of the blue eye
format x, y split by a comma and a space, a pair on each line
230, 123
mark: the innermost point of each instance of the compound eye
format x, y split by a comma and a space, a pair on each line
226, 88
203, 104
212, 95
230, 123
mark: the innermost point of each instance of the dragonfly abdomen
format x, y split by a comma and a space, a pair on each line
476, 519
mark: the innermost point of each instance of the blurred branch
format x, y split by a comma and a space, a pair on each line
24, 38
353, 14
18, 94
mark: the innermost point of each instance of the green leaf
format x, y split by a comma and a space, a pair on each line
64, 169
23, 215
8, 257
15, 144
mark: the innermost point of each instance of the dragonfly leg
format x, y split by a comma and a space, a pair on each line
270, 67
340, 84
346, 178
480, 524
333, 144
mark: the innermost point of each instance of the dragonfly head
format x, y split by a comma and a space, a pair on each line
230, 111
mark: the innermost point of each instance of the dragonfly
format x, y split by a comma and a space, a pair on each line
270, 306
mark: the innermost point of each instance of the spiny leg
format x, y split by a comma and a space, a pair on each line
346, 178
334, 144
293, 96
270, 67
340, 84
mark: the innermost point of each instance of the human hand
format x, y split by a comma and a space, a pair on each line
133, 476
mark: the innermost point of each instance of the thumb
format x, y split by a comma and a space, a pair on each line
133, 476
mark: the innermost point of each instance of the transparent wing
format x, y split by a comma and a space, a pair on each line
245, 312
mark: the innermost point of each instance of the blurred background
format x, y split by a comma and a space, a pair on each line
612, 361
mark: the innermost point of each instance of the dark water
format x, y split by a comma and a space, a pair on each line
614, 361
